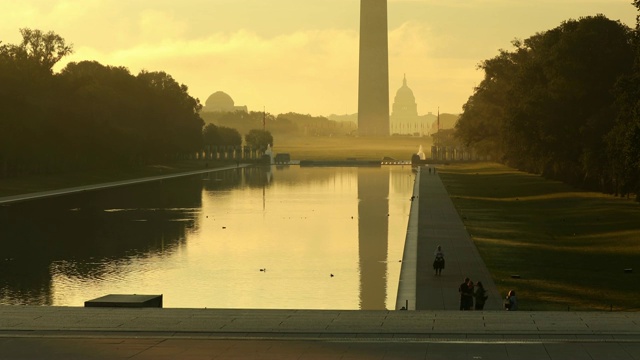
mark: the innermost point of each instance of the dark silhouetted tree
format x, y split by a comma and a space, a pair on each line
623, 143
174, 125
88, 114
221, 136
258, 139
547, 106
26, 101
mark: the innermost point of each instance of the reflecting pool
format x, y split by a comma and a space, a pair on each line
263, 237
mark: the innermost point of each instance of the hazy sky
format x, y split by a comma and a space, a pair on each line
298, 55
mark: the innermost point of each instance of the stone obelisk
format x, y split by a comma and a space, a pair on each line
373, 84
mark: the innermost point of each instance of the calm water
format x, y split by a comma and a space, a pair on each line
202, 241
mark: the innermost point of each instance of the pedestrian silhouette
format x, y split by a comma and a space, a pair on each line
438, 262
511, 301
480, 296
466, 294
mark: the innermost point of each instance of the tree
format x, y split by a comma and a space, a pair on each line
229, 136
102, 117
221, 136
210, 135
482, 121
175, 125
240, 120
42, 49
547, 106
27, 100
623, 145
88, 114
259, 139
282, 125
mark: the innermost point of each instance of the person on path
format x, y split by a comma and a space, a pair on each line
480, 295
461, 289
466, 294
469, 295
438, 262
511, 301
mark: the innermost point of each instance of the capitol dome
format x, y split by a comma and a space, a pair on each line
404, 104
404, 116
404, 95
219, 101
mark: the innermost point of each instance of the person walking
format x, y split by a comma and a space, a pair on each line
511, 301
466, 294
438, 262
480, 295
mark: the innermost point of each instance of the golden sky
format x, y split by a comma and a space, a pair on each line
298, 55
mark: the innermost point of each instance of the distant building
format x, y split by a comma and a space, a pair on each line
404, 115
221, 102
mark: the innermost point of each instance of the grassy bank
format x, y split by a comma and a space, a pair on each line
569, 247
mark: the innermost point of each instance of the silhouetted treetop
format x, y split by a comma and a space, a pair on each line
44, 49
548, 105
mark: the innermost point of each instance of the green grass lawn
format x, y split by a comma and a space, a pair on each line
569, 247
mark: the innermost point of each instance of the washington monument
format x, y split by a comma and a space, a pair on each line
373, 84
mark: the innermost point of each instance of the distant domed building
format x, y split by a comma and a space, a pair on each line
220, 101
404, 116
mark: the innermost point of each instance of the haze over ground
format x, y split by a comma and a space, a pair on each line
300, 56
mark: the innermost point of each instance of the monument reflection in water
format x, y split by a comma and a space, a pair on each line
246, 238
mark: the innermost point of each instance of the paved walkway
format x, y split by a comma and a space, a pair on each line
77, 189
35, 332
440, 224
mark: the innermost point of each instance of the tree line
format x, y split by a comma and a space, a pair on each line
564, 103
88, 114
287, 124
91, 115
